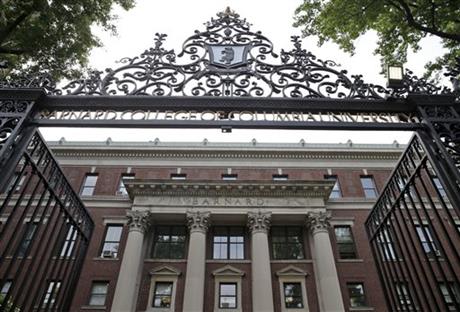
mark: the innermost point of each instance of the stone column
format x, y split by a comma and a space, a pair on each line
198, 223
330, 295
125, 297
262, 292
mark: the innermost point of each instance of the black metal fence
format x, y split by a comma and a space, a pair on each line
414, 231
44, 234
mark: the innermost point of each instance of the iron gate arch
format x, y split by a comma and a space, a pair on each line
228, 76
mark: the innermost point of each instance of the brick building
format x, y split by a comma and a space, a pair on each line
228, 227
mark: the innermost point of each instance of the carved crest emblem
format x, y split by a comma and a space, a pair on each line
228, 56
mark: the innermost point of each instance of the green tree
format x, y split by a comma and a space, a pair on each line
400, 25
52, 35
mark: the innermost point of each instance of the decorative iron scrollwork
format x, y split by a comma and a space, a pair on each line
226, 59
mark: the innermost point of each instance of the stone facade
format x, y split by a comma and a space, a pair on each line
195, 193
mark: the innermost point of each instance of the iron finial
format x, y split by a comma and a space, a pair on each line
228, 13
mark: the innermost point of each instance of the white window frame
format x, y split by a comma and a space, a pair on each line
292, 274
163, 273
228, 274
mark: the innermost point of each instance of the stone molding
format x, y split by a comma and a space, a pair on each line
294, 188
165, 270
291, 270
228, 270
138, 220
259, 221
318, 221
198, 221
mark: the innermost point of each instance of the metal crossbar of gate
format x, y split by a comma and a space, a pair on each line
226, 77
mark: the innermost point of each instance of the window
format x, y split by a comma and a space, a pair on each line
51, 293
98, 293
280, 177
287, 242
227, 296
439, 187
169, 242
228, 243
5, 288
89, 185
111, 241
178, 176
293, 295
121, 186
356, 295
69, 242
370, 191
229, 177
162, 295
30, 229
403, 295
336, 192
14, 180
451, 303
425, 237
386, 244
345, 243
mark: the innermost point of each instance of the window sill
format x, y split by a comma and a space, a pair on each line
88, 307
228, 261
166, 260
350, 260
105, 259
291, 261
362, 309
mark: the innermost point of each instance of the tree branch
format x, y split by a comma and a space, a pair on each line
412, 22
12, 51
15, 23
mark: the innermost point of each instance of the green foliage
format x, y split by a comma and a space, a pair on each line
400, 25
53, 35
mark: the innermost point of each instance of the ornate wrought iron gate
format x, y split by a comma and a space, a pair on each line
229, 77
45, 231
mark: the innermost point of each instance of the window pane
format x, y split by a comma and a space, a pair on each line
113, 233
163, 289
228, 302
293, 295
228, 289
162, 295
236, 251
227, 295
169, 242
5, 288
287, 243
98, 293
356, 294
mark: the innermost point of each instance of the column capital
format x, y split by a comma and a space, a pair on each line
138, 220
318, 221
198, 221
259, 221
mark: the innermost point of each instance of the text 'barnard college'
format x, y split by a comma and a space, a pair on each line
208, 115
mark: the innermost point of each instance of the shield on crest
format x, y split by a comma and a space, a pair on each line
228, 55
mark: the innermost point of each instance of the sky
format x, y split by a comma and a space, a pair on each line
179, 18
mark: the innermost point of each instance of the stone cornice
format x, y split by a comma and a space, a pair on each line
219, 154
155, 187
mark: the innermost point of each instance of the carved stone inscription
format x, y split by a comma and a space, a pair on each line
229, 201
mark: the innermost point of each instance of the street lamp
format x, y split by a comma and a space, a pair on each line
395, 75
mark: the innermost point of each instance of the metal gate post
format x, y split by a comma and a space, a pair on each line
17, 110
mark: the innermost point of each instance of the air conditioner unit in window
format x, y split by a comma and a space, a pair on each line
108, 254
